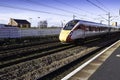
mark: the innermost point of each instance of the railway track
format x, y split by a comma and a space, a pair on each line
26, 50
44, 61
66, 69
16, 56
29, 64
26, 43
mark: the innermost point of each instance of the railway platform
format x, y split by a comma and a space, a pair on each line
110, 69
106, 66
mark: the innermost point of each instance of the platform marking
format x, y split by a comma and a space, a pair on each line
85, 64
118, 55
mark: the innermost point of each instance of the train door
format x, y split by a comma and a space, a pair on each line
78, 32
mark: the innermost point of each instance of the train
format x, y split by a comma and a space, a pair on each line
76, 30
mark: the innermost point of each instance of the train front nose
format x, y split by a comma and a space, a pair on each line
63, 35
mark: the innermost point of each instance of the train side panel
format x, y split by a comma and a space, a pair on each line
76, 34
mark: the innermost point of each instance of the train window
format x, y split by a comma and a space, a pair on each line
70, 24
100, 29
82, 27
93, 28
90, 28
87, 28
97, 29
78, 27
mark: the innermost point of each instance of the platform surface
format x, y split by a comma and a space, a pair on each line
110, 69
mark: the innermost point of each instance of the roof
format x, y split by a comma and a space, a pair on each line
21, 21
91, 23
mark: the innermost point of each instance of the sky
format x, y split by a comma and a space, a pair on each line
57, 12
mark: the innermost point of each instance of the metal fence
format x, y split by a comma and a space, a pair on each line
14, 32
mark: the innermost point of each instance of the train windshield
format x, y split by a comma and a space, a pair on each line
70, 24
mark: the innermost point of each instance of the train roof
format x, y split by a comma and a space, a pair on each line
92, 23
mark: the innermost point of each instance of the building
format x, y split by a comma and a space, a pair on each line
19, 23
42, 24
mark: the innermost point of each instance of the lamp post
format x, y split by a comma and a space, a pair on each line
39, 22
74, 17
30, 21
109, 18
101, 21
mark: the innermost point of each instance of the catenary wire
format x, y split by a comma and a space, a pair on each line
44, 5
97, 6
64, 3
26, 9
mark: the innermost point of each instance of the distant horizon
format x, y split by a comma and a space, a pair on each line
50, 25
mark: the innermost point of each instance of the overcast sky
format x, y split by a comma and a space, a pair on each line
57, 11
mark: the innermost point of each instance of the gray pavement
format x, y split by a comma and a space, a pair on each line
110, 69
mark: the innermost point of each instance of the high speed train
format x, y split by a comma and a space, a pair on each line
80, 29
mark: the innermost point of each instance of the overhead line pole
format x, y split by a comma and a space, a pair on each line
109, 18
